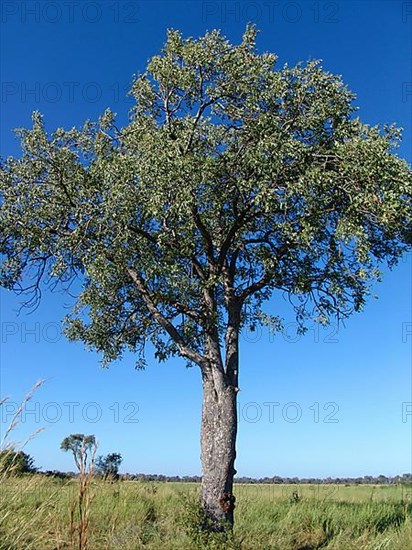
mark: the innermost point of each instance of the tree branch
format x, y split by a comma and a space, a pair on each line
148, 236
166, 323
255, 287
205, 234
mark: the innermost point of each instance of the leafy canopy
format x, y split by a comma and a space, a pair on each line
233, 179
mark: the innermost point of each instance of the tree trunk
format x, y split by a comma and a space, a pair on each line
218, 442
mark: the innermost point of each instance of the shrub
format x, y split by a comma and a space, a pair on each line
14, 462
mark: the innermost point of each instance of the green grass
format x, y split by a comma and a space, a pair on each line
34, 514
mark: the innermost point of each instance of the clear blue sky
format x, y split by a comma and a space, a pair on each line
71, 60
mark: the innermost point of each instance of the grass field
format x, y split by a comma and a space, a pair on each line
39, 513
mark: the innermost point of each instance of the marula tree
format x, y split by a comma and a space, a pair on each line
234, 180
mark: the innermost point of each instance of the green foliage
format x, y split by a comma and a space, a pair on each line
234, 179
16, 462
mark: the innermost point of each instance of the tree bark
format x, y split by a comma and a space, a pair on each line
218, 448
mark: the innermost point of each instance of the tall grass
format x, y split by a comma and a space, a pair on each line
20, 515
30, 504
165, 516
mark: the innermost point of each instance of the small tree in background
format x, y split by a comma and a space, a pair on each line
82, 448
108, 466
